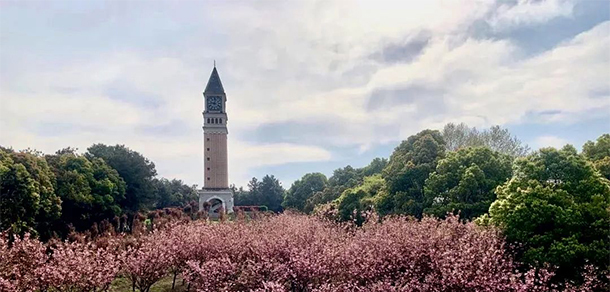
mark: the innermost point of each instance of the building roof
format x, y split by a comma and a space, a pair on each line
214, 84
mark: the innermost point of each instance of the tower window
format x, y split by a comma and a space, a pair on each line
208, 120
221, 120
208, 139
208, 149
216, 120
208, 168
208, 178
208, 159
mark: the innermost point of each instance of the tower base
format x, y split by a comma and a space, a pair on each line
217, 198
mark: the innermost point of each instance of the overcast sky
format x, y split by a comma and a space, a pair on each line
311, 85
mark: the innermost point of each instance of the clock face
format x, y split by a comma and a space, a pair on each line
214, 103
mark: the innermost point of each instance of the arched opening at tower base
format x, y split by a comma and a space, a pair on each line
216, 202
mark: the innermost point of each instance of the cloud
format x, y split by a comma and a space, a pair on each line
529, 12
550, 141
304, 79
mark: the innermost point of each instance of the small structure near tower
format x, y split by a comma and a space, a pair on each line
215, 191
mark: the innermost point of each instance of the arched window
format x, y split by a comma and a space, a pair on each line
221, 120
216, 120
208, 120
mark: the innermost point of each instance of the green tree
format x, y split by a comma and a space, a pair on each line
303, 189
465, 181
91, 191
136, 170
341, 179
496, 138
376, 166
599, 153
173, 193
354, 201
407, 170
271, 193
267, 192
27, 196
556, 209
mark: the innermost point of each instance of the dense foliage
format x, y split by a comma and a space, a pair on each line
465, 181
137, 171
556, 207
407, 170
341, 180
50, 195
268, 192
90, 190
281, 253
303, 189
28, 202
599, 153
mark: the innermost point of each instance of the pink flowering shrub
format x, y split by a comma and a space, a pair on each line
80, 267
148, 261
288, 252
20, 263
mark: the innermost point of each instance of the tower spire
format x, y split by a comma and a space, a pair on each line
214, 84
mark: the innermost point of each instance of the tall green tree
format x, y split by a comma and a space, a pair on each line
91, 190
135, 169
464, 181
556, 208
496, 138
27, 195
303, 189
407, 170
598, 152
271, 193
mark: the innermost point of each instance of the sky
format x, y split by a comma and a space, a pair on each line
311, 85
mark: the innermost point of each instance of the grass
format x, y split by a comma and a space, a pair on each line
122, 284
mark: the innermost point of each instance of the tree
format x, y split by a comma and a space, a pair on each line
342, 179
173, 193
303, 189
376, 166
90, 189
271, 193
599, 153
496, 138
267, 192
354, 201
465, 181
407, 170
136, 170
556, 209
27, 195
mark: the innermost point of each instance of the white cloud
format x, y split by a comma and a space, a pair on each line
308, 63
529, 12
550, 141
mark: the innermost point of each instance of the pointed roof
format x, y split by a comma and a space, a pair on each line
214, 84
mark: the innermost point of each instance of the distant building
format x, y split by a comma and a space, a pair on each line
215, 190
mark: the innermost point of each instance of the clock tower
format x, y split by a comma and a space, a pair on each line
215, 155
